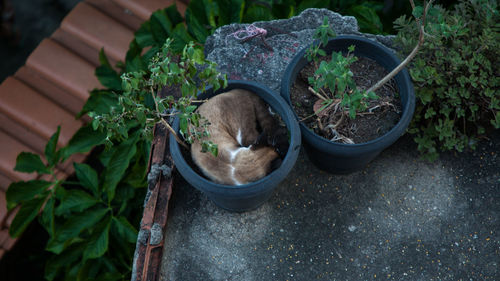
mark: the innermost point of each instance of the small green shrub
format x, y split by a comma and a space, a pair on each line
456, 75
140, 102
333, 80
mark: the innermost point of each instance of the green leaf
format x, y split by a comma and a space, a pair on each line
230, 11
87, 177
89, 269
75, 200
173, 15
25, 216
118, 164
51, 152
100, 102
181, 38
161, 27
47, 217
98, 241
368, 19
73, 227
103, 59
107, 276
199, 32
23, 191
108, 77
311, 4
84, 140
143, 36
183, 124
284, 9
124, 230
197, 8
28, 162
257, 12
58, 262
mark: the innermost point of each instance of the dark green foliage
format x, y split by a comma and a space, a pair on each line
456, 76
81, 217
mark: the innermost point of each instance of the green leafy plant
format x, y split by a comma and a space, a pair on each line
333, 81
89, 220
140, 102
456, 76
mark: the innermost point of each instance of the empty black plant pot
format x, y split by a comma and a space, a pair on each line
248, 196
341, 158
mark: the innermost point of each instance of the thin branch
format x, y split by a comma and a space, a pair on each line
317, 94
410, 56
165, 123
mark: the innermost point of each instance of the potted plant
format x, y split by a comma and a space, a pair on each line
195, 80
249, 196
333, 88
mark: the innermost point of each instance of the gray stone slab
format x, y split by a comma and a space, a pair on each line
252, 60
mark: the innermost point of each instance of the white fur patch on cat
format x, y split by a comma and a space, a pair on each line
238, 137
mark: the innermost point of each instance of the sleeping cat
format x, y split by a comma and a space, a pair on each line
245, 154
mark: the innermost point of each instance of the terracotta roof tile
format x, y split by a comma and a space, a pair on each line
4, 182
9, 242
54, 92
9, 150
32, 110
64, 68
28, 137
98, 31
3, 207
144, 8
118, 13
4, 235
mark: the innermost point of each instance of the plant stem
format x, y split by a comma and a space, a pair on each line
410, 56
317, 94
165, 123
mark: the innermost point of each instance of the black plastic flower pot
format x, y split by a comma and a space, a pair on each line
248, 196
341, 158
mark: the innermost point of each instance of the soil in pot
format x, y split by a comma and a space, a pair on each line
278, 140
384, 112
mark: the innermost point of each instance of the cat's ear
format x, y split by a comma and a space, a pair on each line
279, 140
261, 141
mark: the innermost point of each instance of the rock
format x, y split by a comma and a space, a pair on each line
252, 60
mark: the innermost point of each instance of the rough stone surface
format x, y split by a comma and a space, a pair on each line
156, 234
251, 60
400, 218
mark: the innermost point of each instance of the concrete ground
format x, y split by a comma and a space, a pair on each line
400, 218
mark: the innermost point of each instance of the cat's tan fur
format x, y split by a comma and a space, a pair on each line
234, 117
